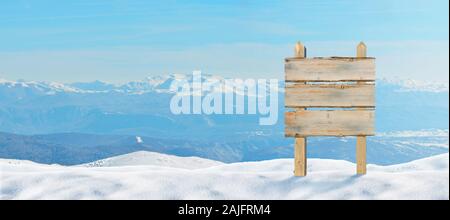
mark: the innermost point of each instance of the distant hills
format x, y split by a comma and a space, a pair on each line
76, 123
77, 148
142, 108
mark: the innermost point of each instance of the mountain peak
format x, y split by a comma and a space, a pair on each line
162, 83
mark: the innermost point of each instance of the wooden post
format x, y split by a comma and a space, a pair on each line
300, 160
300, 50
361, 50
361, 155
300, 157
361, 142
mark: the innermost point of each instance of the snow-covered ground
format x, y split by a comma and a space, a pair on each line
141, 158
154, 176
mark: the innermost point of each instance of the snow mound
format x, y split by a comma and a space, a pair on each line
327, 179
155, 159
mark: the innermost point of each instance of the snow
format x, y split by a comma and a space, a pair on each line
417, 133
424, 138
160, 84
424, 86
139, 140
50, 88
156, 159
134, 178
411, 85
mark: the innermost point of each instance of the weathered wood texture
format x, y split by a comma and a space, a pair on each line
305, 88
341, 96
361, 145
361, 50
300, 50
361, 141
330, 69
329, 123
300, 161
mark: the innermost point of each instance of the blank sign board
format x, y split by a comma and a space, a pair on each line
346, 85
329, 96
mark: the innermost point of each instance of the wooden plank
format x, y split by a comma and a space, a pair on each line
342, 96
300, 161
330, 69
361, 143
329, 123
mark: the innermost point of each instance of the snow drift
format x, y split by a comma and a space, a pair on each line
142, 176
151, 158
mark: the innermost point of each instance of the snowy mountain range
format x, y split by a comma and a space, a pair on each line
148, 85
142, 108
79, 123
162, 84
147, 176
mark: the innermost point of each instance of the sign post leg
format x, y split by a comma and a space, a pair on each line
361, 155
300, 156
361, 51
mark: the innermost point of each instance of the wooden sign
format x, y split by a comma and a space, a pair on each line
330, 69
329, 96
332, 96
329, 123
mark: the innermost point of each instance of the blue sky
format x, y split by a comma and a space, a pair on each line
119, 41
